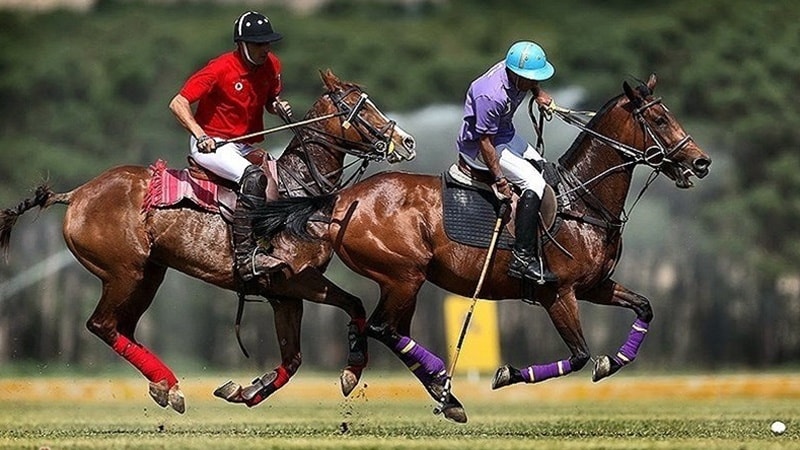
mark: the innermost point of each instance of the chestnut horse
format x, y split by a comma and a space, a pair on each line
390, 228
130, 250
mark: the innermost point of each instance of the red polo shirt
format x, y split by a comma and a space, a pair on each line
231, 97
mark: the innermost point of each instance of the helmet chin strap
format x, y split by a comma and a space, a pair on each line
243, 46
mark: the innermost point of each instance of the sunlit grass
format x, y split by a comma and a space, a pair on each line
311, 414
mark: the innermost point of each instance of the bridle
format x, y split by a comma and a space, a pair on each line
374, 144
654, 156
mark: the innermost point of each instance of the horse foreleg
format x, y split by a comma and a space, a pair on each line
288, 318
565, 316
312, 285
615, 294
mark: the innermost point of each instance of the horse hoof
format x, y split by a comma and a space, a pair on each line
349, 380
176, 399
604, 367
452, 409
263, 385
455, 413
159, 392
502, 377
229, 391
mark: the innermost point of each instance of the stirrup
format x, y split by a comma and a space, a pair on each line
269, 265
540, 275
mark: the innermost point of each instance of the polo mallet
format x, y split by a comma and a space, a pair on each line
489, 253
281, 128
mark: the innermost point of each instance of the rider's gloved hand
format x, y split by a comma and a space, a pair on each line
502, 190
546, 104
206, 144
282, 108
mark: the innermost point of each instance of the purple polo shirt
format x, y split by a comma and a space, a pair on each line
489, 109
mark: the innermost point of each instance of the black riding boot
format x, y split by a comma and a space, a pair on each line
527, 262
250, 259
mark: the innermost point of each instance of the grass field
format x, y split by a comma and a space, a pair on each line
392, 412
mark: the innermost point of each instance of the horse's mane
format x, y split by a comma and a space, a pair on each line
291, 214
642, 90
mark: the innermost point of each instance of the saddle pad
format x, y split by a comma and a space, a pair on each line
168, 187
470, 215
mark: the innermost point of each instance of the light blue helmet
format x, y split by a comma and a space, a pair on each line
528, 60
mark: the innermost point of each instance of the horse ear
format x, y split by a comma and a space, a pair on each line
330, 80
651, 82
629, 92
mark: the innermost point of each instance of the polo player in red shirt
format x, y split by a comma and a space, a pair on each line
231, 93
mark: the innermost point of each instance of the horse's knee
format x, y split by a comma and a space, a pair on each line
381, 333
643, 310
101, 329
577, 362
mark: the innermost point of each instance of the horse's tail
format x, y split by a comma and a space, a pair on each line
43, 198
291, 215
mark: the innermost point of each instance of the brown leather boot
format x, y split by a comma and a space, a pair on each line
251, 260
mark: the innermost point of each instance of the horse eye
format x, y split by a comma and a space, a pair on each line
661, 121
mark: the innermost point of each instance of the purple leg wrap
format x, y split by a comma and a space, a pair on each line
630, 348
423, 364
535, 374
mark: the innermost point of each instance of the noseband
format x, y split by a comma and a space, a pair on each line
375, 144
656, 154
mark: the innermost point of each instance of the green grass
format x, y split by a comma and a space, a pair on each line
291, 420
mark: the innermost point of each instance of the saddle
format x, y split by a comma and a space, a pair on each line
470, 206
203, 188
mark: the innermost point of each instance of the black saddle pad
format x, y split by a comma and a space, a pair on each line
470, 215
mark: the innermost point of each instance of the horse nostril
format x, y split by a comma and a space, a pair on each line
409, 143
700, 166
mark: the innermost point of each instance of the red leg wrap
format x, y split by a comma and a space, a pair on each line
283, 377
147, 363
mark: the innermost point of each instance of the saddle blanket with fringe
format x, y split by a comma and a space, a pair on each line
470, 214
168, 187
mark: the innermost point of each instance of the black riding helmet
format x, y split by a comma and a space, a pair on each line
254, 27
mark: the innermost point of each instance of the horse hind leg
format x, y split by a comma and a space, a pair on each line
426, 366
125, 298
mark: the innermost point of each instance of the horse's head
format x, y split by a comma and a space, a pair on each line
667, 146
361, 125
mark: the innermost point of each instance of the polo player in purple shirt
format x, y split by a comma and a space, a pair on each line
488, 141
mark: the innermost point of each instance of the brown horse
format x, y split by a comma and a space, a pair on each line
390, 228
130, 250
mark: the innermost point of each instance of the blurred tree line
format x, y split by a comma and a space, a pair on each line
80, 92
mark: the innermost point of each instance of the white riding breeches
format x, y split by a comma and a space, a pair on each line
227, 161
513, 157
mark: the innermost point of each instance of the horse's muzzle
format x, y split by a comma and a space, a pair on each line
700, 167
405, 151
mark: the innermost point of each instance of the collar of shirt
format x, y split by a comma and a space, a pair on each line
243, 66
